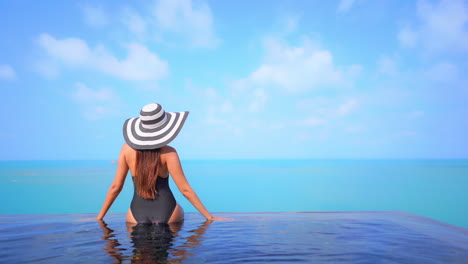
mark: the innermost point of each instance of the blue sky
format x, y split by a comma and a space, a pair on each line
268, 79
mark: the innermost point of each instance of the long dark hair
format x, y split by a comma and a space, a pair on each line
147, 169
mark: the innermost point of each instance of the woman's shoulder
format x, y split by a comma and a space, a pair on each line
169, 154
168, 149
126, 148
127, 152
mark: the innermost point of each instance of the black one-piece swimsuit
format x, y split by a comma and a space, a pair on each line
157, 210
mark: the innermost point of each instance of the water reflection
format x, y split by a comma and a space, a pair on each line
153, 243
112, 244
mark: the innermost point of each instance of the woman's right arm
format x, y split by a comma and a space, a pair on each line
175, 169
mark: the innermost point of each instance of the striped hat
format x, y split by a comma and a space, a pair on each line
154, 128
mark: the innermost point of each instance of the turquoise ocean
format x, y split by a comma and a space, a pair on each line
431, 188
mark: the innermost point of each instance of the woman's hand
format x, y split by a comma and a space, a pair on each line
220, 219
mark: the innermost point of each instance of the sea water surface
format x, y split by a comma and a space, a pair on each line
431, 188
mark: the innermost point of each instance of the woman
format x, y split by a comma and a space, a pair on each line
150, 161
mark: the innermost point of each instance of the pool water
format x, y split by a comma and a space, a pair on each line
310, 237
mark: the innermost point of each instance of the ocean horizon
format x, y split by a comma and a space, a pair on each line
434, 188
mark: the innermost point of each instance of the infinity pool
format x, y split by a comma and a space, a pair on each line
318, 237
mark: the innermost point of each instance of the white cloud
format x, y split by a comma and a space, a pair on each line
306, 104
312, 122
387, 65
96, 104
7, 72
347, 107
214, 120
211, 93
139, 65
276, 125
353, 72
70, 50
324, 111
297, 69
227, 107
291, 23
407, 37
84, 94
445, 24
194, 22
443, 72
95, 16
96, 112
212, 117
259, 98
442, 27
304, 136
218, 115
134, 22
345, 6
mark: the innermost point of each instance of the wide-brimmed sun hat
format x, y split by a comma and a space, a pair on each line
154, 128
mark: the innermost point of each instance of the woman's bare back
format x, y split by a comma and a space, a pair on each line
164, 209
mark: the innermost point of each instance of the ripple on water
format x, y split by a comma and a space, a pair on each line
360, 237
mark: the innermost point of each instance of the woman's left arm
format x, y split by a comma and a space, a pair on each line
117, 184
